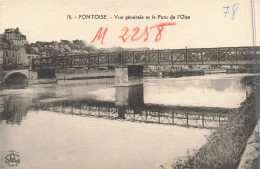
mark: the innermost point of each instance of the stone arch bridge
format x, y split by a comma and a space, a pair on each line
23, 72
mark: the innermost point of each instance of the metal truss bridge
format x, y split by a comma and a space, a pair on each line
188, 56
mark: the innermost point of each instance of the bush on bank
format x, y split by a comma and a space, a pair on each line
225, 145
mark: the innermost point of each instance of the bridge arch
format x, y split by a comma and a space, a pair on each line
16, 76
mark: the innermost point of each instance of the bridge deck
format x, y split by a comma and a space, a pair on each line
191, 56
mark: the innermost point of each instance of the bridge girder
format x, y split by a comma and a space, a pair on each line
192, 56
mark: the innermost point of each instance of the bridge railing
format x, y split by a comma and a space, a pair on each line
226, 55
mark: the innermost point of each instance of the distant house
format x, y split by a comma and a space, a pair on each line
15, 36
22, 55
31, 53
65, 42
8, 54
13, 45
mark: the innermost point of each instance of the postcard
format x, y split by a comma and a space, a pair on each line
125, 84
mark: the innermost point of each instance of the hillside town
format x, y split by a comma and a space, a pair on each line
17, 51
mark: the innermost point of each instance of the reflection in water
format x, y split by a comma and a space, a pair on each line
52, 117
13, 109
171, 115
156, 94
132, 96
129, 105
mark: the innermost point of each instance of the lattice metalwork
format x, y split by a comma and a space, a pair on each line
226, 55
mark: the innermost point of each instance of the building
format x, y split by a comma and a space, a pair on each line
22, 55
31, 54
62, 48
13, 49
15, 36
8, 54
16, 52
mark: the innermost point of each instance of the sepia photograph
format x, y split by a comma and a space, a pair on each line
126, 84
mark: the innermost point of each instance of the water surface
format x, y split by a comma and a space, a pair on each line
61, 134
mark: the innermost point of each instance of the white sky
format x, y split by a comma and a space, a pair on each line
45, 20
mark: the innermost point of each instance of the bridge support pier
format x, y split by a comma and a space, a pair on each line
128, 76
32, 75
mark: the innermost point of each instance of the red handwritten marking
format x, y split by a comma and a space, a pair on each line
160, 28
135, 31
100, 35
163, 24
126, 29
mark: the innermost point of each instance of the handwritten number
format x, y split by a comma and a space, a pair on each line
134, 34
159, 35
234, 11
126, 29
226, 12
146, 34
136, 30
160, 28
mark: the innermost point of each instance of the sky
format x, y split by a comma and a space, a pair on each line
46, 20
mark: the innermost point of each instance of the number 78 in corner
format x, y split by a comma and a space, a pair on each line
234, 9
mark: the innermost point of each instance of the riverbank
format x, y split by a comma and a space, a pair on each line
225, 145
251, 153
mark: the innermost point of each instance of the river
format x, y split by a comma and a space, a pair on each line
93, 124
